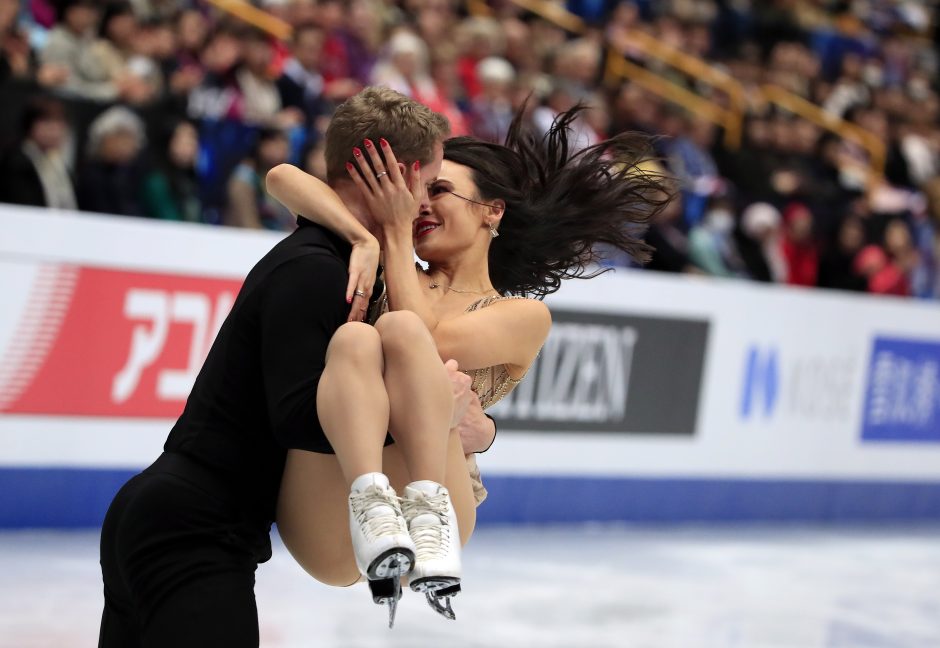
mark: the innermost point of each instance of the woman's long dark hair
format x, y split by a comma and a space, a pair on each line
560, 204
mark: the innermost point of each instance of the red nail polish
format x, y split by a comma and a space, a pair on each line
349, 300
383, 142
368, 143
357, 152
349, 166
417, 165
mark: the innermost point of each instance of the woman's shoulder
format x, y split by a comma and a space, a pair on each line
526, 309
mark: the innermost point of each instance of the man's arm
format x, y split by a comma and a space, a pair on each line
477, 429
302, 306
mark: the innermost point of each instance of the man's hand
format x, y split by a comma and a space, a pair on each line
462, 393
475, 428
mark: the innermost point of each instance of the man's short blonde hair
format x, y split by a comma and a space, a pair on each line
413, 129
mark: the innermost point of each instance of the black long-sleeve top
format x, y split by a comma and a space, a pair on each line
255, 396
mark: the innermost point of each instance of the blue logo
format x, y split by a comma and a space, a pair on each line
902, 398
761, 382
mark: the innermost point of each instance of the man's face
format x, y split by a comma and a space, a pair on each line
429, 173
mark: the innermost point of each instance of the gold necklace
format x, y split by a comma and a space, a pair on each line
433, 284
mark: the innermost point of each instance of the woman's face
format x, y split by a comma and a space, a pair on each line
184, 145
451, 224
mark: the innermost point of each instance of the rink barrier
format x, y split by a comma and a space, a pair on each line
656, 397
79, 498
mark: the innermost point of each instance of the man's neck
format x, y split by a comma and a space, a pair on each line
352, 199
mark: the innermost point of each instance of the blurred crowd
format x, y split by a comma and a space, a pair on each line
173, 109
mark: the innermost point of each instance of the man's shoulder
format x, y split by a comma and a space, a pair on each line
309, 251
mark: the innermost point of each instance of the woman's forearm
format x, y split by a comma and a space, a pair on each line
311, 198
401, 280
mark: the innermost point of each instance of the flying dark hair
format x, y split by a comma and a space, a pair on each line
561, 203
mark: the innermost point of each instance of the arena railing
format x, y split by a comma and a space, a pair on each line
254, 16
731, 117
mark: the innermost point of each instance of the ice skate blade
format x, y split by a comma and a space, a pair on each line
435, 600
391, 563
435, 583
387, 591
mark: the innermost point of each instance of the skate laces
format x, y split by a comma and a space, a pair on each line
377, 512
428, 524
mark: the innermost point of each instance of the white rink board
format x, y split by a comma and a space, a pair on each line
820, 407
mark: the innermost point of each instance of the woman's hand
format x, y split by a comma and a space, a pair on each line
363, 264
392, 198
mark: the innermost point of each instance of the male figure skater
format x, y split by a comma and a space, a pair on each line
181, 540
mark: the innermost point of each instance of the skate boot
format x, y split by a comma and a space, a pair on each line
383, 547
432, 523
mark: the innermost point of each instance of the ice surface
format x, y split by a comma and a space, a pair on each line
556, 587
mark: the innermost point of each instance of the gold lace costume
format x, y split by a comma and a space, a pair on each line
490, 384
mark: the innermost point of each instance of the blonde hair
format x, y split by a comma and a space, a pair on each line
410, 127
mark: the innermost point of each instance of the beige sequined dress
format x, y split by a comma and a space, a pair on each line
490, 384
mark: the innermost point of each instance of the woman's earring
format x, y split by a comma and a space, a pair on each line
493, 232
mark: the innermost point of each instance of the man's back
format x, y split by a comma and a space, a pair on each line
255, 396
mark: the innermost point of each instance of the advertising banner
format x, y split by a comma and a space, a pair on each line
655, 397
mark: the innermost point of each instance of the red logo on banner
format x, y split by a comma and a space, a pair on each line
117, 344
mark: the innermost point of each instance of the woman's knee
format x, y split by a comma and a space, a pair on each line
354, 341
403, 331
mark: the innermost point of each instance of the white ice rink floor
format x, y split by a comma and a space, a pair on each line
555, 587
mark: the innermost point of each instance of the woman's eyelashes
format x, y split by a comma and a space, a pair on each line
437, 189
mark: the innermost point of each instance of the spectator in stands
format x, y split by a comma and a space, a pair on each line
836, 269
217, 96
758, 240
71, 45
35, 171
249, 204
171, 189
690, 159
666, 235
186, 70
260, 99
405, 67
799, 245
17, 59
561, 97
109, 180
883, 276
118, 56
301, 86
492, 109
354, 38
899, 245
478, 38
711, 242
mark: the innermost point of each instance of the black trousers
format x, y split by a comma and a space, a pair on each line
178, 563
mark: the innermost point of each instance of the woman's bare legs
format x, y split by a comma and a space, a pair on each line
316, 529
420, 395
352, 402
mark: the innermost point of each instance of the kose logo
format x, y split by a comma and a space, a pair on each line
808, 387
761, 382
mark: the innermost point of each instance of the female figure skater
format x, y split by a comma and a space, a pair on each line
498, 224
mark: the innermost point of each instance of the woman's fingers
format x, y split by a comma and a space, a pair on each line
358, 180
358, 309
414, 181
377, 163
391, 163
351, 286
365, 171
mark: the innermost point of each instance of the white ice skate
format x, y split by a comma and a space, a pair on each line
383, 547
432, 523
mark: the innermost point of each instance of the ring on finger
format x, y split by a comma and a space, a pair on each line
360, 293
380, 174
